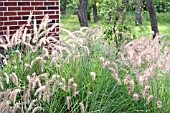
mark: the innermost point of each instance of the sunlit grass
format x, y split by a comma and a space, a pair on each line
71, 23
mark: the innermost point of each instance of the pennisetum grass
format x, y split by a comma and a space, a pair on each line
42, 74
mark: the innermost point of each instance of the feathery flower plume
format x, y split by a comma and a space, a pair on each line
32, 104
149, 99
115, 75
145, 91
29, 19
36, 109
70, 81
36, 80
75, 92
46, 90
129, 80
102, 61
54, 86
107, 63
14, 78
7, 78
24, 35
159, 104
28, 96
68, 102
16, 106
63, 84
14, 95
19, 55
93, 75
1, 56
115, 65
4, 47
45, 75
53, 26
45, 52
6, 94
55, 76
1, 84
136, 96
39, 91
81, 107
36, 59
35, 26
4, 62
27, 65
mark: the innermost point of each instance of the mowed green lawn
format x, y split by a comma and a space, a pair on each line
71, 23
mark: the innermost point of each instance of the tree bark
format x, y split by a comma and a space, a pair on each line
95, 12
152, 14
82, 13
138, 10
88, 16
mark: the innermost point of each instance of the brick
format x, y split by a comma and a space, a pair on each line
57, 12
12, 32
27, 0
1, 4
3, 18
23, 13
1, 32
14, 27
40, 8
1, 13
15, 18
23, 3
1, 23
10, 13
10, 3
49, 12
22, 22
57, 3
16, 13
38, 12
3, 28
49, 3
3, 9
39, 17
41, 0
54, 16
13, 8
57, 21
36, 3
52, 7
28, 8
10, 23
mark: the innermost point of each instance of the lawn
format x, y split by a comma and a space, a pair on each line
71, 23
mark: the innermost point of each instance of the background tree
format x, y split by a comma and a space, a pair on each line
152, 14
138, 9
94, 11
82, 13
63, 6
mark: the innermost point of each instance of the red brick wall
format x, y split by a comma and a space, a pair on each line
14, 13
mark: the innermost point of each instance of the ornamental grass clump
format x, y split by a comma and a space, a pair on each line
82, 72
26, 81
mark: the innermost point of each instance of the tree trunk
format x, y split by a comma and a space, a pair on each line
82, 13
138, 10
152, 14
88, 16
95, 12
63, 11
